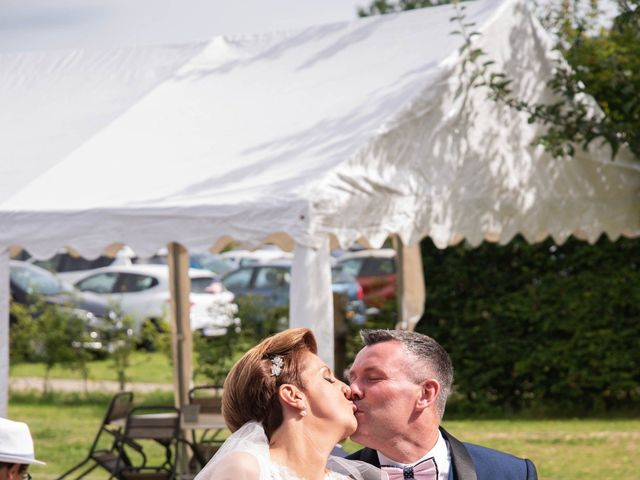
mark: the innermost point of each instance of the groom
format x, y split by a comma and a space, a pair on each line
400, 382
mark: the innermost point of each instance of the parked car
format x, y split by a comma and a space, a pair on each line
269, 282
375, 271
28, 283
202, 260
265, 254
142, 291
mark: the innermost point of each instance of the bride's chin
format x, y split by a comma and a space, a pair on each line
351, 428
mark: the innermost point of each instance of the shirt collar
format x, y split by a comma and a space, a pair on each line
439, 452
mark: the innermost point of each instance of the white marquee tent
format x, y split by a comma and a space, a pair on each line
328, 134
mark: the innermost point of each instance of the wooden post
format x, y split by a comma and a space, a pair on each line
4, 331
181, 341
410, 290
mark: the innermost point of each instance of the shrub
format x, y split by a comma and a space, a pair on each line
49, 333
538, 326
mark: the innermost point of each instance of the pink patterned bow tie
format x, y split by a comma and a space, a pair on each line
424, 470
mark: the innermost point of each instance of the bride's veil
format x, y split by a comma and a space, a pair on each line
355, 469
251, 440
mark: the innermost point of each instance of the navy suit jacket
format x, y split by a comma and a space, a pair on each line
471, 462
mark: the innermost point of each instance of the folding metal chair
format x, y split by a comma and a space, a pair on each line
149, 444
104, 451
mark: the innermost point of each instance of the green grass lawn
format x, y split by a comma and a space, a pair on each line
147, 367
64, 425
562, 449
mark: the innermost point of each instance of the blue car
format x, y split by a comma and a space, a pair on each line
269, 283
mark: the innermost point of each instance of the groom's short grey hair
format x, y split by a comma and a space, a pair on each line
426, 351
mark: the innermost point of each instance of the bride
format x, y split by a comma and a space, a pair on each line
287, 411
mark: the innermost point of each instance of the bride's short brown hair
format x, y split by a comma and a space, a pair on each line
250, 390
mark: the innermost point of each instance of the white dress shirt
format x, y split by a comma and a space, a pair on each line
440, 453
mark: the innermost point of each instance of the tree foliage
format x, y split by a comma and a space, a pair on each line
51, 334
596, 61
216, 355
381, 7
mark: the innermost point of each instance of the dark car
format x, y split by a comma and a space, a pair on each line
269, 283
29, 282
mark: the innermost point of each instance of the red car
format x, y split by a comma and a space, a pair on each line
375, 271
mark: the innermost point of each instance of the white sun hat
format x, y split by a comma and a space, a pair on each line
16, 445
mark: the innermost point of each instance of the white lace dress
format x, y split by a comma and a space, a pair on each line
280, 472
245, 456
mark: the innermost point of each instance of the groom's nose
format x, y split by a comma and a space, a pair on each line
356, 393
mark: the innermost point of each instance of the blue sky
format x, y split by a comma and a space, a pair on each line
54, 24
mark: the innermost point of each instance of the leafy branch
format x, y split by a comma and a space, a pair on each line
605, 66
381, 7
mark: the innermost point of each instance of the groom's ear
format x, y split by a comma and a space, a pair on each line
430, 388
290, 395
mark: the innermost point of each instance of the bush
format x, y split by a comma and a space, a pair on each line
216, 355
51, 334
122, 340
539, 327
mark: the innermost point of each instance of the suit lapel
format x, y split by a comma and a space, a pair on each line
370, 456
463, 467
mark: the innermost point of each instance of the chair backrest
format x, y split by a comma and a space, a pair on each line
119, 407
208, 397
160, 423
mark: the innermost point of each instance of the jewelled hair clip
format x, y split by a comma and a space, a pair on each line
277, 362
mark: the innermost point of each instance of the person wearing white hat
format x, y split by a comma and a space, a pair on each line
16, 450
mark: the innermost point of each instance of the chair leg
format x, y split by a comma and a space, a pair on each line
87, 471
74, 468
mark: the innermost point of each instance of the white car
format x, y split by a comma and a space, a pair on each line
142, 291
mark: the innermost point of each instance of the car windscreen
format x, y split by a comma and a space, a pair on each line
204, 284
212, 262
37, 281
341, 276
351, 266
238, 279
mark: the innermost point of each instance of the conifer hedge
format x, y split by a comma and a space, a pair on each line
539, 327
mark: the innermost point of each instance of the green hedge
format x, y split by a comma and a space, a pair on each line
539, 327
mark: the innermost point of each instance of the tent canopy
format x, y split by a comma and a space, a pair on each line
351, 129
345, 131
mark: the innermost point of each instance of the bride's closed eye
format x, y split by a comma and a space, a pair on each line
328, 375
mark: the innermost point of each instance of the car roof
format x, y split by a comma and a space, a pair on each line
30, 266
146, 269
378, 253
280, 262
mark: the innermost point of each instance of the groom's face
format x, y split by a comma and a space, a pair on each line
384, 393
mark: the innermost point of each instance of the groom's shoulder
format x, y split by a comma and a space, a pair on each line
489, 460
488, 463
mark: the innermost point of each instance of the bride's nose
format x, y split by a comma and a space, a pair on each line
346, 390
